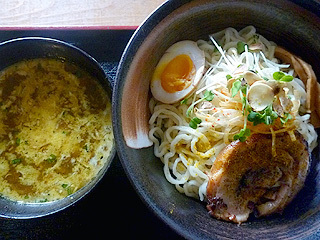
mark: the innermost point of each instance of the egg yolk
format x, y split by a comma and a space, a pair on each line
178, 73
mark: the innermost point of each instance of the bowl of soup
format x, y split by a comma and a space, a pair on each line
56, 139
200, 127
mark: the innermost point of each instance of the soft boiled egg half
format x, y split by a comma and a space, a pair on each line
178, 72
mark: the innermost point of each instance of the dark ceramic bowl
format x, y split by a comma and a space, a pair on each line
17, 50
294, 26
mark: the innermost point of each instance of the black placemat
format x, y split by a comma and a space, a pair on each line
112, 209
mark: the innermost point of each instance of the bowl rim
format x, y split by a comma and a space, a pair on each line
131, 49
40, 209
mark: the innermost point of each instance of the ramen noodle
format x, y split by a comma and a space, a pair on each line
244, 90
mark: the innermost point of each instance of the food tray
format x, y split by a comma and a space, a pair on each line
112, 209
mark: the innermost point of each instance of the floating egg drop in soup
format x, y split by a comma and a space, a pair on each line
55, 130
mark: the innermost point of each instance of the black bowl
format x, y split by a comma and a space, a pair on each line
294, 26
20, 49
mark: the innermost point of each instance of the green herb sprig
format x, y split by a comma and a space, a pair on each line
282, 77
287, 116
194, 122
241, 47
266, 116
237, 86
244, 132
242, 135
208, 96
228, 77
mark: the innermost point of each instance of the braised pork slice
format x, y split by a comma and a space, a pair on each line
246, 178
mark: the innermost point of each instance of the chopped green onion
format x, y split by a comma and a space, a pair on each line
52, 158
16, 161
67, 187
86, 147
69, 190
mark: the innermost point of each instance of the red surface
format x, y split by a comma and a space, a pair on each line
71, 28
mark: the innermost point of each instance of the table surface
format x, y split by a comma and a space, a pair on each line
71, 13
